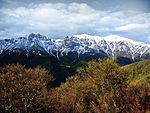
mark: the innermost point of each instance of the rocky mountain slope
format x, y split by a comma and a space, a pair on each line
80, 44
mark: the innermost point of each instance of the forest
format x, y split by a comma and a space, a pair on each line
100, 86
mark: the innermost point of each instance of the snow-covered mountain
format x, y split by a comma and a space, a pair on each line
111, 45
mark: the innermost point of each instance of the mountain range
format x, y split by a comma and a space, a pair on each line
109, 46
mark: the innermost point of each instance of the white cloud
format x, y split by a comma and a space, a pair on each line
133, 27
65, 19
148, 38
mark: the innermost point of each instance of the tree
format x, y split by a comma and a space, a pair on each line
83, 92
101, 87
23, 90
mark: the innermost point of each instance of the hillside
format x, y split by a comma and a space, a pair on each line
140, 74
60, 68
137, 68
101, 86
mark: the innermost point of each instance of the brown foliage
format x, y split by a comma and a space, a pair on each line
99, 88
102, 87
22, 90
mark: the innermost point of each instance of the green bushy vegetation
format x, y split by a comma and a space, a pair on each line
139, 72
100, 86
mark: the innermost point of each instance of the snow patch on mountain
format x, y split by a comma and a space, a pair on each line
112, 45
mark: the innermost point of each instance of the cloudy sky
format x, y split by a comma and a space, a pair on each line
59, 18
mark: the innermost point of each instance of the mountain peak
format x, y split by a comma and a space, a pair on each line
85, 36
33, 35
110, 38
111, 45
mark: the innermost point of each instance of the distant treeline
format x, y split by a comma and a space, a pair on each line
60, 68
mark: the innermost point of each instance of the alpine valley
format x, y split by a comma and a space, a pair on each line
64, 56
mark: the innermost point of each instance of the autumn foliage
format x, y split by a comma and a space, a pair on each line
101, 87
22, 90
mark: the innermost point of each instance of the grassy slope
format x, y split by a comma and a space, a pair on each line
139, 72
142, 67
